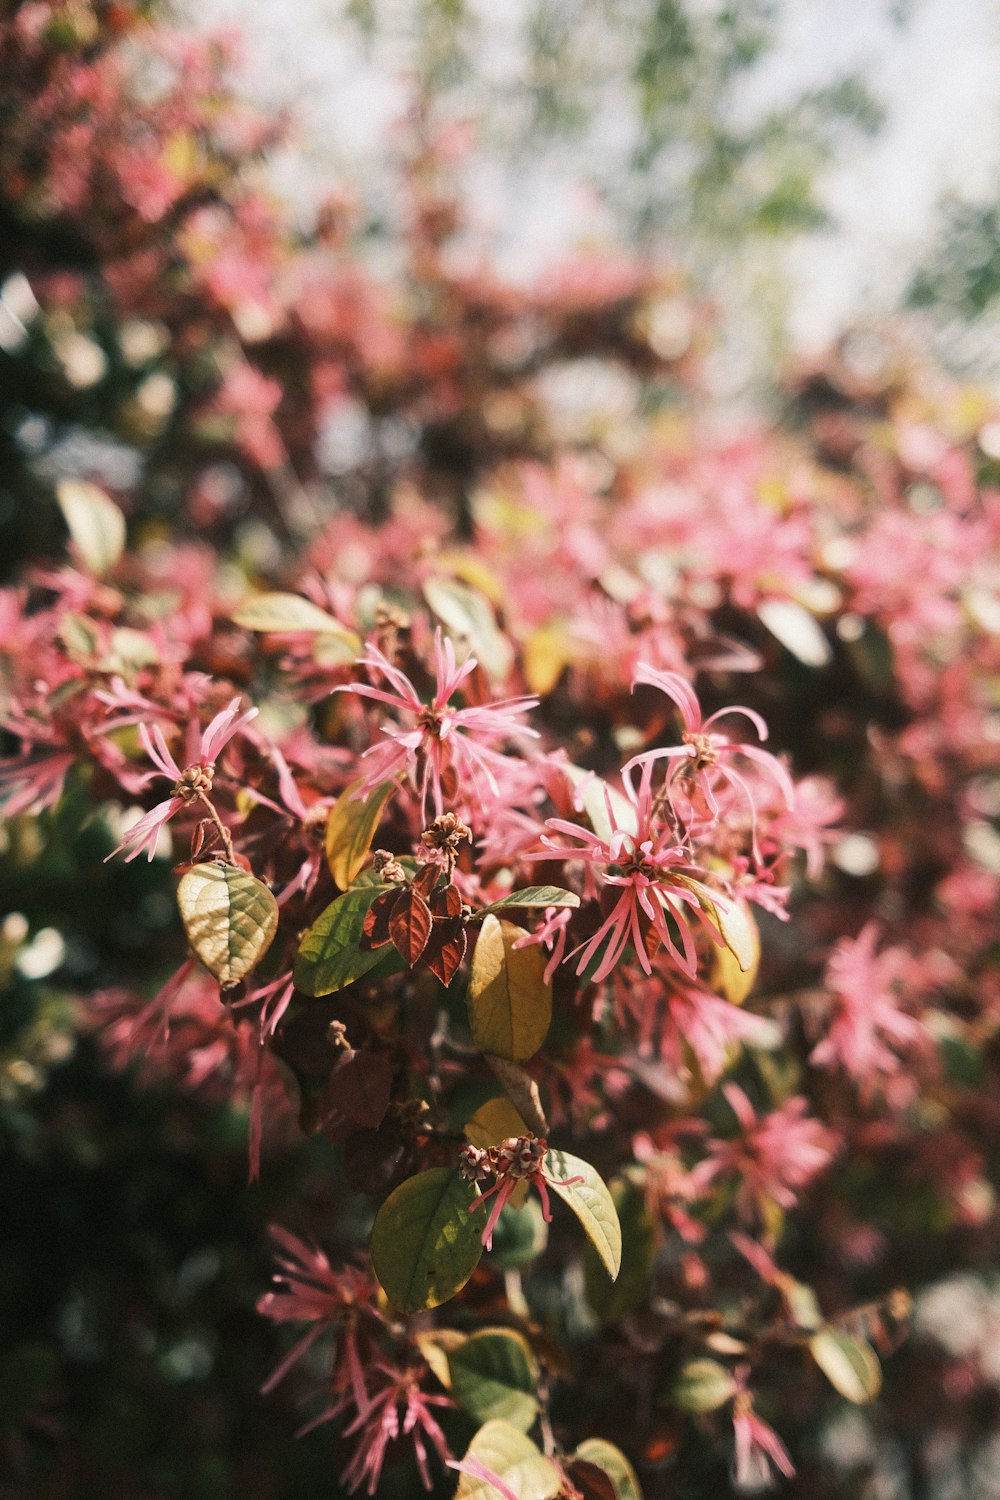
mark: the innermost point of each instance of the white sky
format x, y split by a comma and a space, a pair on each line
937, 77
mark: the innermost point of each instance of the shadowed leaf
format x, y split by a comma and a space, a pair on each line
350, 829
425, 1243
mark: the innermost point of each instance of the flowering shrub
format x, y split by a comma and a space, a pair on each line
484, 880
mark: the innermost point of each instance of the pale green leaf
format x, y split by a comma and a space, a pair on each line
425, 1243
703, 1385
290, 612
95, 523
596, 794
329, 956
850, 1365
494, 1376
515, 1460
731, 920
230, 917
592, 1203
510, 1003
614, 1463
612, 1300
350, 829
469, 619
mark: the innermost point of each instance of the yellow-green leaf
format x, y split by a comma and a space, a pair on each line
730, 919
850, 1365
494, 1376
350, 829
290, 612
469, 620
611, 1301
425, 1243
515, 1460
230, 917
595, 795
493, 1122
703, 1385
531, 895
614, 1463
330, 956
732, 981
510, 1003
592, 1203
95, 523
522, 1091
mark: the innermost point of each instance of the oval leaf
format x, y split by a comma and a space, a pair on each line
510, 1004
290, 612
732, 981
516, 1461
850, 1365
614, 1463
522, 1091
469, 619
425, 1243
612, 1300
592, 1203
730, 919
329, 956
494, 1376
703, 1385
350, 829
230, 917
410, 924
95, 523
493, 1122
532, 895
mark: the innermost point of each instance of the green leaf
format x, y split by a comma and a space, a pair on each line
290, 612
612, 1300
532, 895
469, 619
425, 1243
614, 1463
230, 917
592, 1203
703, 1385
329, 956
510, 1004
350, 829
95, 523
520, 1236
850, 1365
494, 1376
514, 1459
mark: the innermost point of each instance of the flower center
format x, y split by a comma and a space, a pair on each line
195, 782
703, 752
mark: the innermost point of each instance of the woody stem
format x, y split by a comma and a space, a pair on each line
224, 834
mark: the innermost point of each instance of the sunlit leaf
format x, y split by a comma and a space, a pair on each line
494, 1376
290, 612
531, 895
592, 1203
546, 653
612, 1300
614, 1463
595, 795
522, 1091
329, 956
797, 630
437, 1345
728, 977
409, 924
703, 1385
850, 1365
469, 620
731, 920
510, 1003
95, 523
492, 1123
515, 1460
230, 918
425, 1243
350, 829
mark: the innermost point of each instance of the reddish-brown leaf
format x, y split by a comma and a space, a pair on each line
446, 903
375, 928
591, 1482
445, 950
359, 1087
426, 879
410, 924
